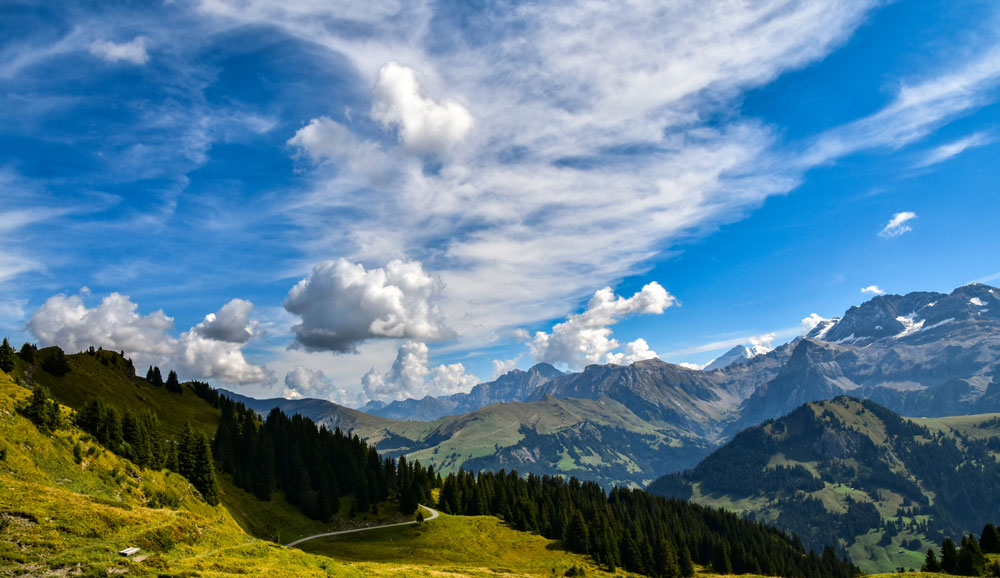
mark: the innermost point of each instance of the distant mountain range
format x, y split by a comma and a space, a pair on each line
920, 354
855, 474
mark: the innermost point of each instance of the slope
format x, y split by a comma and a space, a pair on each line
60, 515
854, 473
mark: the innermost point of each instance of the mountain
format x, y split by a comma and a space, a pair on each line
739, 354
920, 354
514, 385
853, 473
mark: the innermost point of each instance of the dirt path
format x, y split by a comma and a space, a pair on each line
434, 514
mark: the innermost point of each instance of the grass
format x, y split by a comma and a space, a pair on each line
59, 517
455, 544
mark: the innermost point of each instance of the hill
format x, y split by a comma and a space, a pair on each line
854, 473
68, 489
595, 439
60, 515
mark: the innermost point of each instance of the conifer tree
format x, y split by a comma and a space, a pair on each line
931, 563
27, 352
6, 357
173, 384
154, 377
989, 540
577, 536
971, 561
56, 364
949, 556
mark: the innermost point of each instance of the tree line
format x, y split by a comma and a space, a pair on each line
970, 558
313, 466
316, 467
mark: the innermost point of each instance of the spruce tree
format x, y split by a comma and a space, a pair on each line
173, 384
577, 536
949, 556
154, 377
989, 540
27, 352
971, 561
56, 364
931, 563
6, 357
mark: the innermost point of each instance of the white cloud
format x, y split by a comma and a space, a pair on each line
209, 359
504, 366
585, 338
232, 323
637, 350
115, 324
342, 304
873, 289
811, 322
133, 51
897, 225
694, 366
325, 138
953, 149
424, 126
408, 377
303, 382
66, 321
763, 343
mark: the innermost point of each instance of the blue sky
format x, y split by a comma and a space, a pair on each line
380, 200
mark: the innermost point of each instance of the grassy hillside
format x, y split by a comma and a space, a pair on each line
883, 487
59, 516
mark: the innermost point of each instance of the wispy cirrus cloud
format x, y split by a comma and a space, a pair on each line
953, 149
897, 225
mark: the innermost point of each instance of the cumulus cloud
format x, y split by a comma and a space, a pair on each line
873, 289
342, 304
303, 382
763, 343
811, 322
424, 126
209, 359
232, 323
694, 366
897, 225
504, 366
66, 321
637, 350
133, 51
326, 139
585, 338
408, 377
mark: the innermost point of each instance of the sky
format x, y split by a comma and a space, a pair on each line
381, 200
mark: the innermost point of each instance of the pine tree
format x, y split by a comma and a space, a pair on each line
194, 461
154, 377
685, 562
989, 540
577, 536
55, 364
6, 357
173, 384
949, 556
931, 563
971, 561
42, 411
27, 352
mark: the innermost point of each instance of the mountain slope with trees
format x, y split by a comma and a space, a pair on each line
855, 474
